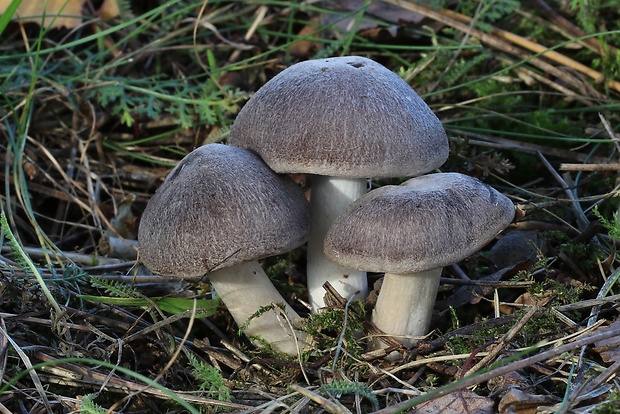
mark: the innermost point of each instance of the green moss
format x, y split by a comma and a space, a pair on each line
611, 405
460, 345
582, 255
326, 328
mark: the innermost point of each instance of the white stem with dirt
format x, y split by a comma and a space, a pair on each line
329, 198
244, 288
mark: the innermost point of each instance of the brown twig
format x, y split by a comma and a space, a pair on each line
490, 283
590, 167
602, 377
588, 303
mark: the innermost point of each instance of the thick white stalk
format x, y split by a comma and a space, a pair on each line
330, 197
405, 305
244, 288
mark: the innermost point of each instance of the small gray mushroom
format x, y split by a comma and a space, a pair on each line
344, 120
411, 232
219, 211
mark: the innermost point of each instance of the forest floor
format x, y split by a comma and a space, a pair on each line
94, 116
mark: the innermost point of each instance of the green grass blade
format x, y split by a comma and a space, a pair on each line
207, 307
17, 250
6, 17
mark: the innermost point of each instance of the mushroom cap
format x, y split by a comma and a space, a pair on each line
220, 206
343, 116
426, 223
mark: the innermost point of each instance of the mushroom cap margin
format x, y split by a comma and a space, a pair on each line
425, 223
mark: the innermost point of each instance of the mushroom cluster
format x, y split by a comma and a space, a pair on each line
342, 120
219, 211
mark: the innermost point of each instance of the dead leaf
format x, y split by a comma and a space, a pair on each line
535, 299
500, 385
465, 402
30, 169
124, 222
516, 401
303, 48
109, 10
516, 394
58, 13
527, 299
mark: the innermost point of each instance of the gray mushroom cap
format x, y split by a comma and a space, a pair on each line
218, 207
343, 116
427, 222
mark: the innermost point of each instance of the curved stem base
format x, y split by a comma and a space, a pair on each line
244, 288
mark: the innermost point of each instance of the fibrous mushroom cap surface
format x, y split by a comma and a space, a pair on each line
343, 116
425, 223
220, 206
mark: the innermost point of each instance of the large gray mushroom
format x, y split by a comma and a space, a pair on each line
343, 119
219, 211
411, 232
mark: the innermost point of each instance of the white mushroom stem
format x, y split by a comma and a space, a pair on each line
244, 289
330, 197
405, 306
